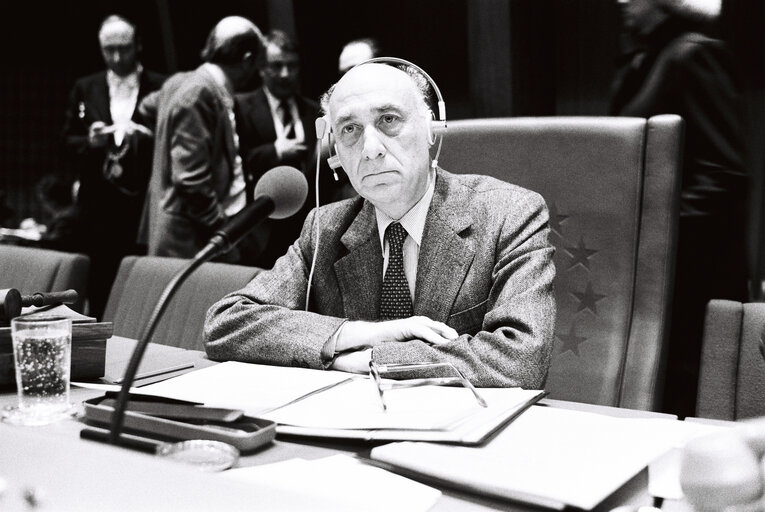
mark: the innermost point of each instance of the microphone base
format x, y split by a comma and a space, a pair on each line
141, 444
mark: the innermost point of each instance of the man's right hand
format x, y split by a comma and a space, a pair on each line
356, 334
289, 148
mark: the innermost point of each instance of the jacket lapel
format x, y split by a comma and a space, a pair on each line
359, 273
101, 100
445, 256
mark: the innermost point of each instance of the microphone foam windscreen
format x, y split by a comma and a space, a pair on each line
287, 188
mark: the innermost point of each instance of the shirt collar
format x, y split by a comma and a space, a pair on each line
413, 220
273, 101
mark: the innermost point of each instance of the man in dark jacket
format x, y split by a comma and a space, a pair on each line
111, 149
672, 66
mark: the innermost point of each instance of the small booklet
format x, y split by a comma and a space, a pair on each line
335, 404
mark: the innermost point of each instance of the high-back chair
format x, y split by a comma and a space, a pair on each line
732, 375
140, 282
612, 188
31, 269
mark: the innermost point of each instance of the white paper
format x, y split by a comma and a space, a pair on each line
340, 483
253, 388
547, 455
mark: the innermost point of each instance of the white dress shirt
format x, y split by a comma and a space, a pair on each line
123, 96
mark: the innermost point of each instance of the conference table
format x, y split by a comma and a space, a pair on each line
52, 468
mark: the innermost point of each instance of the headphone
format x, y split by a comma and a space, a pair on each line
436, 127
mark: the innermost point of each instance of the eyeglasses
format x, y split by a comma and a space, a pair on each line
376, 369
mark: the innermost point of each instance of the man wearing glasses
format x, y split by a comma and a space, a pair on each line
424, 266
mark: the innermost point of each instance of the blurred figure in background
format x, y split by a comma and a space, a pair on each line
62, 220
197, 179
357, 51
672, 66
276, 126
112, 151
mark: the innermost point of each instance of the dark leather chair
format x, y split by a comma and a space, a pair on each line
732, 376
30, 270
140, 282
612, 187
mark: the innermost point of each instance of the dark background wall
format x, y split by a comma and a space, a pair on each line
489, 57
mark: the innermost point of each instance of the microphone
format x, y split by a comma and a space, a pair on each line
279, 193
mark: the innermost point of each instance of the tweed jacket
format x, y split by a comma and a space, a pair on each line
193, 163
485, 268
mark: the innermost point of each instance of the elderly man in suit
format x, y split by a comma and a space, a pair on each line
197, 180
111, 150
423, 266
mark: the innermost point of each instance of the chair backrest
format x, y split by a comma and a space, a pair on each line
612, 187
31, 269
140, 282
732, 375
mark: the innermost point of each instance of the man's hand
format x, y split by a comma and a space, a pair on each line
134, 128
353, 362
97, 137
289, 148
355, 335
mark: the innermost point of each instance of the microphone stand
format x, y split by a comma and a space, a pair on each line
222, 242
213, 249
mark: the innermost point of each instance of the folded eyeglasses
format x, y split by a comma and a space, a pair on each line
376, 369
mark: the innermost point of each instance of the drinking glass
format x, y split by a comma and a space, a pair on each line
42, 352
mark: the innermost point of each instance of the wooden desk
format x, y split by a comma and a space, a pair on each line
73, 474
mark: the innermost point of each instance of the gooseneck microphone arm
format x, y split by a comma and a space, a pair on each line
280, 193
223, 241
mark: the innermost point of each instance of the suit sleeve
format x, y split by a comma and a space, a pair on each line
514, 344
266, 322
191, 151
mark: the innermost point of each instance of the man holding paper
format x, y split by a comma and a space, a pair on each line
424, 266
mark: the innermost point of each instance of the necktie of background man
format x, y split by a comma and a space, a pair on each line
285, 114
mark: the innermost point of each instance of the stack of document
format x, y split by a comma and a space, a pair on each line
550, 457
336, 404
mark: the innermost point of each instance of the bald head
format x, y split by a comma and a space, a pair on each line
374, 71
231, 40
119, 48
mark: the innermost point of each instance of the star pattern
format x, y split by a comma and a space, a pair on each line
580, 255
395, 299
556, 219
571, 341
588, 299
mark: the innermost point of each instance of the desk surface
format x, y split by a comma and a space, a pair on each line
78, 475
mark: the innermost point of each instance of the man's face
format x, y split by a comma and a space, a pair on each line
280, 73
381, 133
118, 47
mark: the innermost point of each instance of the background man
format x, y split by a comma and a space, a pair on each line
197, 179
355, 52
423, 266
112, 153
672, 67
277, 127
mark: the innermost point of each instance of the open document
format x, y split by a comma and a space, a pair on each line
337, 404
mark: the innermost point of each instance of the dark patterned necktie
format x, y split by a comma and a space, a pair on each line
285, 114
395, 300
